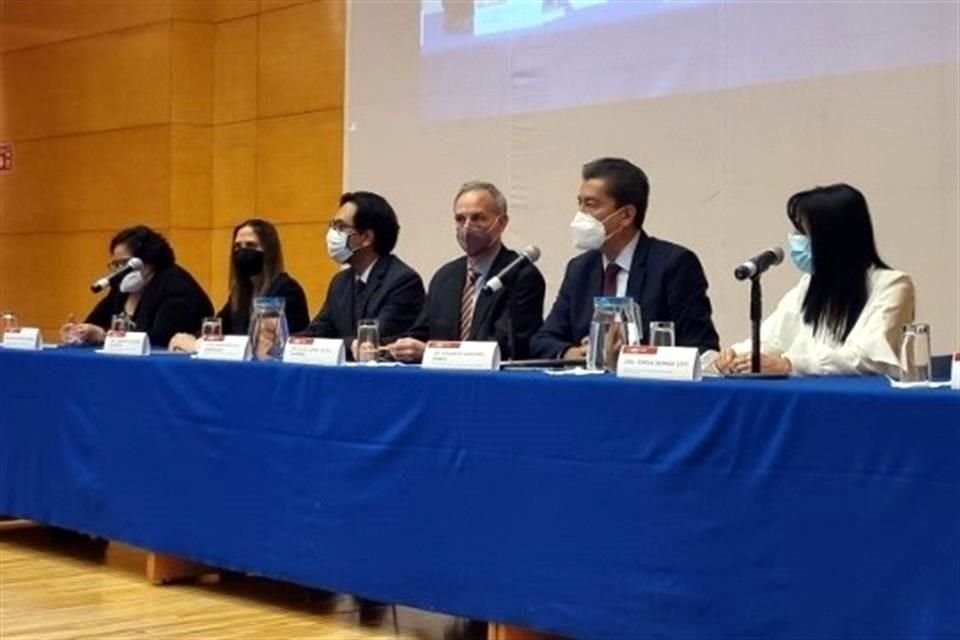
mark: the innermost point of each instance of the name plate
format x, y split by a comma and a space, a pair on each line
24, 338
229, 348
955, 372
659, 363
481, 356
127, 343
328, 352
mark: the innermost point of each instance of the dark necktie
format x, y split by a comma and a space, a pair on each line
610, 279
359, 300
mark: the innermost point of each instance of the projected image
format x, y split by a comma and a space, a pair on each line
483, 58
448, 24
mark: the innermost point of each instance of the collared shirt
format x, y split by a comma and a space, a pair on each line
365, 276
624, 261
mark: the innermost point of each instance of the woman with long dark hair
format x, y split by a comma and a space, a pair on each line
846, 314
256, 269
160, 299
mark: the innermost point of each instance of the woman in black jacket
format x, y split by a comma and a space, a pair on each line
256, 269
161, 299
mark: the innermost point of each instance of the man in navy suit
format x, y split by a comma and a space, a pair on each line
377, 283
457, 307
620, 259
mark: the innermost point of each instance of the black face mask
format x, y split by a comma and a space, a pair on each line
248, 262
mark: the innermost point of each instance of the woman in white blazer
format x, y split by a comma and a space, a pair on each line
846, 314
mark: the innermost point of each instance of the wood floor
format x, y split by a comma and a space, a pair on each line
53, 588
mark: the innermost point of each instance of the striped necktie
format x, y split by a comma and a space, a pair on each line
466, 304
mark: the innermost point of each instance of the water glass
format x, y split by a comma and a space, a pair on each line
120, 323
368, 340
915, 353
9, 322
662, 334
211, 329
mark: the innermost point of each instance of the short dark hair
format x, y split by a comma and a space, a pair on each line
146, 244
837, 221
374, 213
626, 183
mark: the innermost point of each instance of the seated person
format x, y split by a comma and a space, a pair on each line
161, 299
256, 269
377, 284
457, 308
846, 314
620, 259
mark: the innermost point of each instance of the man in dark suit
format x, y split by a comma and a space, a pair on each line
620, 259
377, 284
457, 308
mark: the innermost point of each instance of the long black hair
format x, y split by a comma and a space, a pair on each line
146, 244
837, 221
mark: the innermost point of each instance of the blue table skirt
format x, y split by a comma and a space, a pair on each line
589, 506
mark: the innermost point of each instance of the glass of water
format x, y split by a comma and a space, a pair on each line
211, 329
368, 340
662, 334
9, 322
120, 323
915, 353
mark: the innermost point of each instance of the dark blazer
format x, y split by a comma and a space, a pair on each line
295, 308
393, 295
493, 313
172, 302
666, 280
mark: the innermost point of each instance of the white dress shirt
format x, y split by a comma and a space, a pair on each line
624, 261
365, 276
873, 342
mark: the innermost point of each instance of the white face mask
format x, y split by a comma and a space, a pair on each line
588, 233
132, 282
337, 245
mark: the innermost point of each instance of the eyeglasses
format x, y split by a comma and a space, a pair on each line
339, 225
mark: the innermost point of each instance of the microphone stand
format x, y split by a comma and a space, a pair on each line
511, 331
756, 317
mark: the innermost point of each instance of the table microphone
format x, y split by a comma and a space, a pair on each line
133, 264
759, 263
494, 284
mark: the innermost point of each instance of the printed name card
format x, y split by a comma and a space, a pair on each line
659, 363
127, 343
25, 338
328, 352
955, 372
481, 356
229, 348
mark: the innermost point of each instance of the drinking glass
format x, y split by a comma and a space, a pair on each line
212, 328
915, 353
662, 334
120, 323
368, 340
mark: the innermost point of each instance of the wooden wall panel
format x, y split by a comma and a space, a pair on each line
187, 115
109, 81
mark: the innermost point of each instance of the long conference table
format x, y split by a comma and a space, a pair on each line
587, 506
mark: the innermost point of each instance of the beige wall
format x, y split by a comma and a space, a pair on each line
187, 115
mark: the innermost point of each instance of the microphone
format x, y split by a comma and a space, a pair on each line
759, 263
494, 284
133, 264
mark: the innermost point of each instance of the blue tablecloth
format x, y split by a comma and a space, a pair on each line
590, 506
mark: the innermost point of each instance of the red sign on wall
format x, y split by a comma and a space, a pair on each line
6, 157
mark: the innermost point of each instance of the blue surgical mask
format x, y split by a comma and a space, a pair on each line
801, 254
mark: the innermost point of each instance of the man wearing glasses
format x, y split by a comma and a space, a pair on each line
377, 284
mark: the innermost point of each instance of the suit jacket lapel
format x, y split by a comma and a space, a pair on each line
487, 301
638, 272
